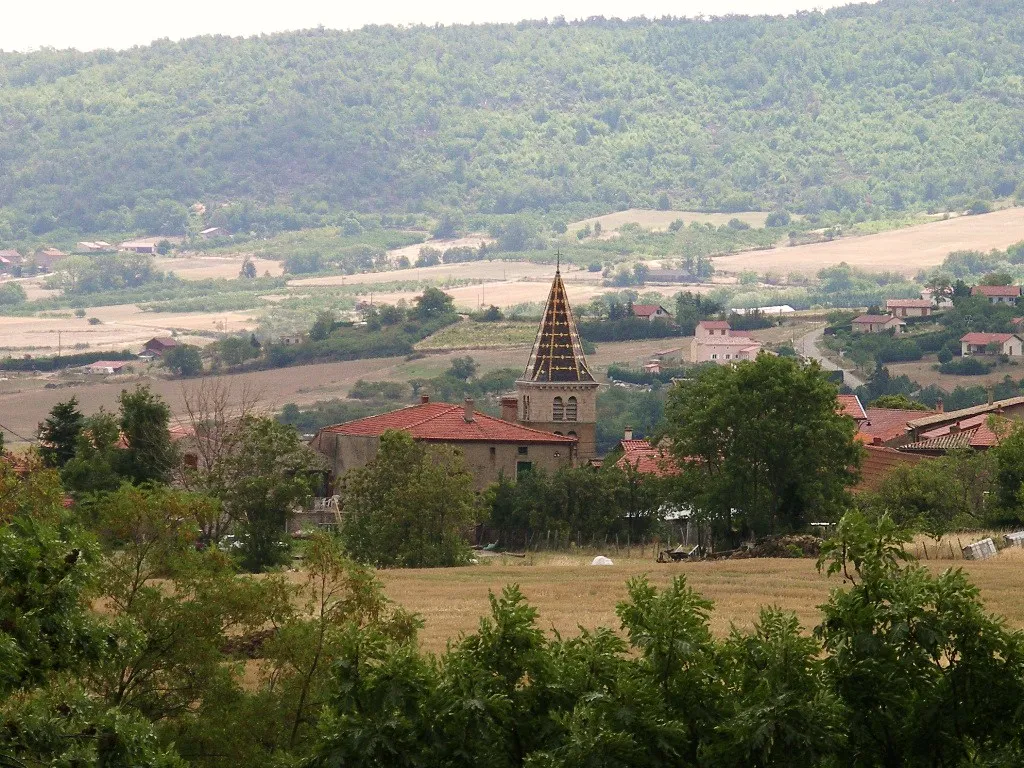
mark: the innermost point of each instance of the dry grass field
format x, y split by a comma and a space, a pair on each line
659, 220
193, 267
922, 372
25, 400
901, 250
570, 593
123, 326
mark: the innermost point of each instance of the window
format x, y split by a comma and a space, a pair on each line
558, 410
727, 357
571, 409
522, 467
714, 357
571, 433
526, 407
494, 452
523, 450
558, 433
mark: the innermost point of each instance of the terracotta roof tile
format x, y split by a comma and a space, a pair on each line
444, 422
646, 310
986, 338
995, 290
887, 424
877, 462
647, 459
850, 405
909, 303
875, 319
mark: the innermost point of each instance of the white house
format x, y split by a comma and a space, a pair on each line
998, 294
972, 344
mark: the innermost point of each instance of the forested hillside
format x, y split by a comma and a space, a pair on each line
890, 105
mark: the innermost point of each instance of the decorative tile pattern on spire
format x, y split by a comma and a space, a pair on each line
557, 353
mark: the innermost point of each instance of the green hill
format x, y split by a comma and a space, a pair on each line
886, 106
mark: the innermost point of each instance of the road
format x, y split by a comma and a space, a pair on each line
807, 345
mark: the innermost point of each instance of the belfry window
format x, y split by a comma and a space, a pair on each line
558, 410
571, 409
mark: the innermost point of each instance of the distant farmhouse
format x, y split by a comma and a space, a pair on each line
157, 347
651, 312
909, 307
715, 342
974, 344
877, 324
998, 294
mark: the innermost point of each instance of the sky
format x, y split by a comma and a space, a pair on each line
28, 26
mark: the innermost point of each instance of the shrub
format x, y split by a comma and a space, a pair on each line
967, 366
945, 355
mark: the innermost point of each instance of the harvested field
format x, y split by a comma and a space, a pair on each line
659, 220
901, 250
122, 326
412, 252
569, 593
923, 373
195, 267
25, 400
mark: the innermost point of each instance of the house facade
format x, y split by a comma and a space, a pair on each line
909, 307
491, 447
975, 344
158, 346
715, 342
877, 324
998, 294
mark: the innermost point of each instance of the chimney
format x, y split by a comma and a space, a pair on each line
954, 429
468, 410
509, 409
991, 394
876, 440
939, 406
628, 434
424, 399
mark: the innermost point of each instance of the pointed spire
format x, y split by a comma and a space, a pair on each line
557, 353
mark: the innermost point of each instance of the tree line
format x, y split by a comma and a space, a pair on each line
875, 106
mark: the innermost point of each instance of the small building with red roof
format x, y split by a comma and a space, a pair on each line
876, 324
909, 307
651, 312
973, 344
491, 447
645, 458
998, 294
979, 432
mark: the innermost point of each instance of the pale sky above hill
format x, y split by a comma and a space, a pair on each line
124, 23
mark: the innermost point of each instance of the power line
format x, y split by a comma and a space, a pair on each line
20, 437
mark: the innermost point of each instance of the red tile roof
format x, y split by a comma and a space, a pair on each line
877, 462
909, 303
884, 425
712, 324
444, 422
986, 338
850, 405
647, 459
975, 432
995, 290
875, 319
646, 310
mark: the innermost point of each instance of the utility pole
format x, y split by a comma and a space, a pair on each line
59, 345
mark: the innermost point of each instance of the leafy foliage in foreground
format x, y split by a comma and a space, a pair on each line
881, 105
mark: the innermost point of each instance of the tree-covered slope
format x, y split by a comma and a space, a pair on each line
904, 102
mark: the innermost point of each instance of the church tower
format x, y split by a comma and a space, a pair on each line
557, 392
